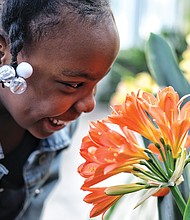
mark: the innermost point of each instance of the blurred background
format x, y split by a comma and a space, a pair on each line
135, 19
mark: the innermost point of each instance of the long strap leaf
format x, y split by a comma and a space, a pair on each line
163, 65
187, 211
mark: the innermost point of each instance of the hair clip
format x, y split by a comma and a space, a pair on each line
15, 79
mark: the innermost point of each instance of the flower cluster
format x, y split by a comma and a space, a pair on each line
158, 167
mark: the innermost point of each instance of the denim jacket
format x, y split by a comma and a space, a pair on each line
40, 173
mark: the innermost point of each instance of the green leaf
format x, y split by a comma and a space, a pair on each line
187, 211
163, 65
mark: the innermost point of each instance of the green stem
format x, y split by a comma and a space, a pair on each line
169, 157
154, 170
147, 173
156, 162
164, 159
178, 198
158, 169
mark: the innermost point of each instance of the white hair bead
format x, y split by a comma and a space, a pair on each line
24, 70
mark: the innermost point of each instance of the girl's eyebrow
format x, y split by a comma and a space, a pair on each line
82, 74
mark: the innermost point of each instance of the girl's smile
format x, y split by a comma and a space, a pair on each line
51, 124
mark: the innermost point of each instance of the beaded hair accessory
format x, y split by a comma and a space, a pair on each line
15, 79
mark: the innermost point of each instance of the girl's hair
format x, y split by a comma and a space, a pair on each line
29, 21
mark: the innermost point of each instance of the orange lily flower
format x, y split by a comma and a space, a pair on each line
108, 153
170, 123
162, 192
133, 115
100, 200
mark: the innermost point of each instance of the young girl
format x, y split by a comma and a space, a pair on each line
52, 55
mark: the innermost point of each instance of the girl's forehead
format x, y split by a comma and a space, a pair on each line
77, 34
70, 27
84, 50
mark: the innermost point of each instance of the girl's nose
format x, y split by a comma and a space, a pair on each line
85, 104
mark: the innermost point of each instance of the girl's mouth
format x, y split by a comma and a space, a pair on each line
56, 122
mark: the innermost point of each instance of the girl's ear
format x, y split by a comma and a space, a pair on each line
4, 51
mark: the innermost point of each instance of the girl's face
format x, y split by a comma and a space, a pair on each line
65, 73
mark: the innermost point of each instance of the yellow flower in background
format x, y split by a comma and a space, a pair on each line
145, 82
123, 87
185, 63
142, 80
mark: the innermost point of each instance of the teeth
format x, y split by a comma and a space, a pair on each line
57, 122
